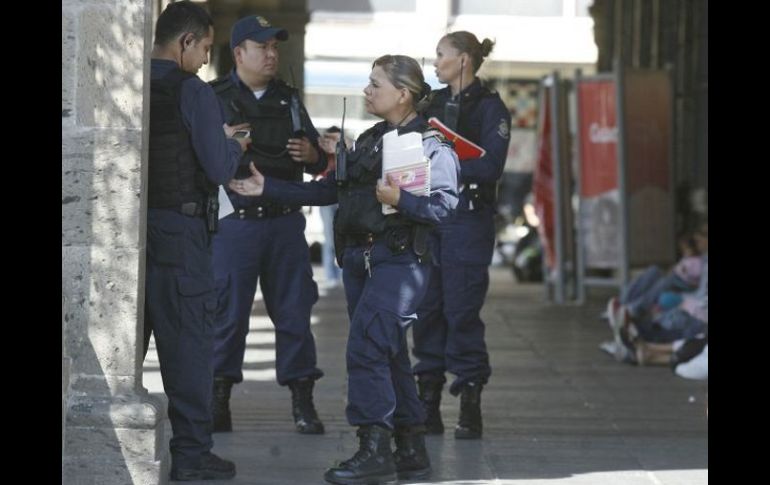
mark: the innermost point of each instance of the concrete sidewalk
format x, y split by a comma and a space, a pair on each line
557, 410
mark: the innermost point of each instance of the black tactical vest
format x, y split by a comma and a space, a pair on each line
271, 128
470, 102
359, 211
468, 105
175, 175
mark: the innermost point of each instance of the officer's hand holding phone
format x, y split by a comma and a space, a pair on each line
240, 132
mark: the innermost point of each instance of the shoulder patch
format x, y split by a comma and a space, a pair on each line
503, 129
436, 134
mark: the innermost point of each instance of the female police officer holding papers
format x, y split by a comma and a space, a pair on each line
384, 275
449, 333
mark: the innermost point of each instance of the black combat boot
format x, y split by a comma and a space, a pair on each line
305, 416
469, 424
430, 387
220, 407
210, 467
372, 463
411, 457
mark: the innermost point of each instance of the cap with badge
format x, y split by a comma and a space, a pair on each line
256, 28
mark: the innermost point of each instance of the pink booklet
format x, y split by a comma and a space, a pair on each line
405, 163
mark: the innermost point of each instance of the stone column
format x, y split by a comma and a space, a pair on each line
65, 382
114, 429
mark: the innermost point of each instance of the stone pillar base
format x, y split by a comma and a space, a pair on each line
119, 439
65, 383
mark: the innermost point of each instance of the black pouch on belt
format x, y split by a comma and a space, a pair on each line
420, 240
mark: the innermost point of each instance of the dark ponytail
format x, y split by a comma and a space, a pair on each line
467, 43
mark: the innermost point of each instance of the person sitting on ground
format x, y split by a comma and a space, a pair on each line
685, 322
645, 300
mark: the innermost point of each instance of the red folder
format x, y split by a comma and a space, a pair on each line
465, 149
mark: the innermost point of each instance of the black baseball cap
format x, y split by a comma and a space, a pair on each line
256, 28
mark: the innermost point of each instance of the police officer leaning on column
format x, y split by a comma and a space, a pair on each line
188, 156
263, 239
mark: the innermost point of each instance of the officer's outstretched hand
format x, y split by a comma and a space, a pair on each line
388, 193
252, 186
302, 151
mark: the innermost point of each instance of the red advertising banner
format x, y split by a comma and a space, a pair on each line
598, 133
625, 223
599, 182
542, 180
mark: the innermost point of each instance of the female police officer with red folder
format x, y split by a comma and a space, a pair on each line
449, 332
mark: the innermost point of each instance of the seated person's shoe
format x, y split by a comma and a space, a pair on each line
689, 349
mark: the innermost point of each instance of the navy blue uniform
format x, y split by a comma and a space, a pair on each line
179, 292
381, 305
267, 241
449, 333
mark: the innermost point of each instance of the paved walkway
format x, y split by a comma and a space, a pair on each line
557, 410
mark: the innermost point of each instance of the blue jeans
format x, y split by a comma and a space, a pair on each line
643, 292
672, 325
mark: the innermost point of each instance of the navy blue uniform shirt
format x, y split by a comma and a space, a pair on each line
203, 117
493, 121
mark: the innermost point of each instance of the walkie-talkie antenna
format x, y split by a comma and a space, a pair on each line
460, 93
342, 151
294, 109
293, 79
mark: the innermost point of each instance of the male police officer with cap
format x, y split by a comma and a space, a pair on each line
188, 156
263, 239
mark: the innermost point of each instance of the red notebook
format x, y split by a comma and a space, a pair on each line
465, 149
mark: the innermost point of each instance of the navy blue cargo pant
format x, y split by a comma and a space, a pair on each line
179, 308
381, 387
449, 332
275, 251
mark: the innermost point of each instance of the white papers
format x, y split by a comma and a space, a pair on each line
225, 206
403, 159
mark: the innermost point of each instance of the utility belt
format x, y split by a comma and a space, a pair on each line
192, 209
264, 211
208, 210
480, 195
397, 239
